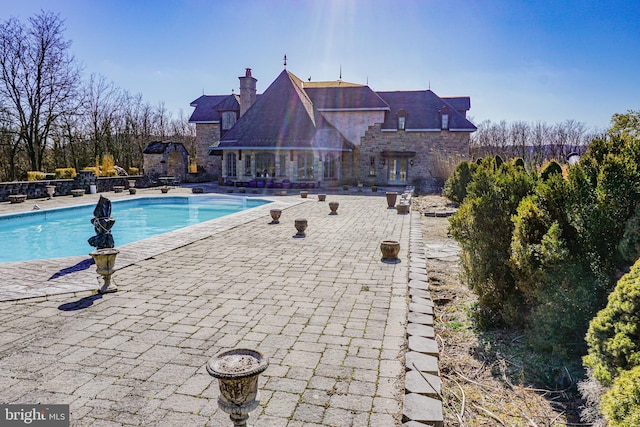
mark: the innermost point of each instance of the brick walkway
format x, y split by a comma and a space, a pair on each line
327, 312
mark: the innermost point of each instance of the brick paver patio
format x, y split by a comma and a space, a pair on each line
329, 315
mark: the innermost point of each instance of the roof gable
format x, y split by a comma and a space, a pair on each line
209, 108
283, 116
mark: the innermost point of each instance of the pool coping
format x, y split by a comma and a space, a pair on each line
76, 274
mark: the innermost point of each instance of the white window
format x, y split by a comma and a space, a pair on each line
228, 119
372, 166
231, 164
247, 165
445, 121
330, 166
282, 167
305, 165
401, 122
265, 165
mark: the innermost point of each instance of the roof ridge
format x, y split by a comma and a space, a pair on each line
306, 102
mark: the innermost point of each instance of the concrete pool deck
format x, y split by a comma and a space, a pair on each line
330, 316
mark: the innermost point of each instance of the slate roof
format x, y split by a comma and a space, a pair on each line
209, 108
345, 98
460, 103
158, 147
283, 117
423, 111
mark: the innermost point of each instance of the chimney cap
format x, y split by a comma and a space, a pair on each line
247, 72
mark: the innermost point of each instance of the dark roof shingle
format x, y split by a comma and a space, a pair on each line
283, 117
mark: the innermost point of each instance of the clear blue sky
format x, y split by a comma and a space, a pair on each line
517, 60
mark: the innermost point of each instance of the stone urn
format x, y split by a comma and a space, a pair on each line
105, 260
275, 215
390, 250
322, 197
304, 194
51, 190
374, 189
132, 190
301, 226
132, 183
334, 208
392, 196
237, 372
164, 189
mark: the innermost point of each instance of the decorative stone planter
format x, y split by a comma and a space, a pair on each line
392, 196
322, 197
17, 198
334, 208
275, 215
51, 190
237, 372
403, 208
118, 188
345, 188
132, 183
132, 190
164, 190
390, 250
374, 189
197, 190
304, 194
105, 260
301, 226
77, 193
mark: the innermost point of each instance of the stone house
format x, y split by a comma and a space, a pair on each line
304, 133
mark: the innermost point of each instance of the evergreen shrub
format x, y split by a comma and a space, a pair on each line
621, 404
613, 337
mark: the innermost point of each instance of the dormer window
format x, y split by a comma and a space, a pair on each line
445, 121
444, 117
228, 119
402, 119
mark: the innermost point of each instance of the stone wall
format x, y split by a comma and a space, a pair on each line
433, 150
38, 189
207, 135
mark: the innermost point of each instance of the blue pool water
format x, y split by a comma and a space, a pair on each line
64, 232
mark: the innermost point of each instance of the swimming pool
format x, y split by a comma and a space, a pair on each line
64, 232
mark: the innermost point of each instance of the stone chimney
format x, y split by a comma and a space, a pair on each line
247, 91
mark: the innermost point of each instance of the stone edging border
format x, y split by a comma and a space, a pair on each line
422, 400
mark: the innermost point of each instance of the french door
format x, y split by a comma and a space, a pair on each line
398, 167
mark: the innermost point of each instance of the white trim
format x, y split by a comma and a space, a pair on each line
462, 130
205, 121
354, 109
389, 130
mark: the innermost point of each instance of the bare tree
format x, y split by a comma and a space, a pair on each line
39, 78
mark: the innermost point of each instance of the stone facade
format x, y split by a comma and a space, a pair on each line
208, 135
426, 152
